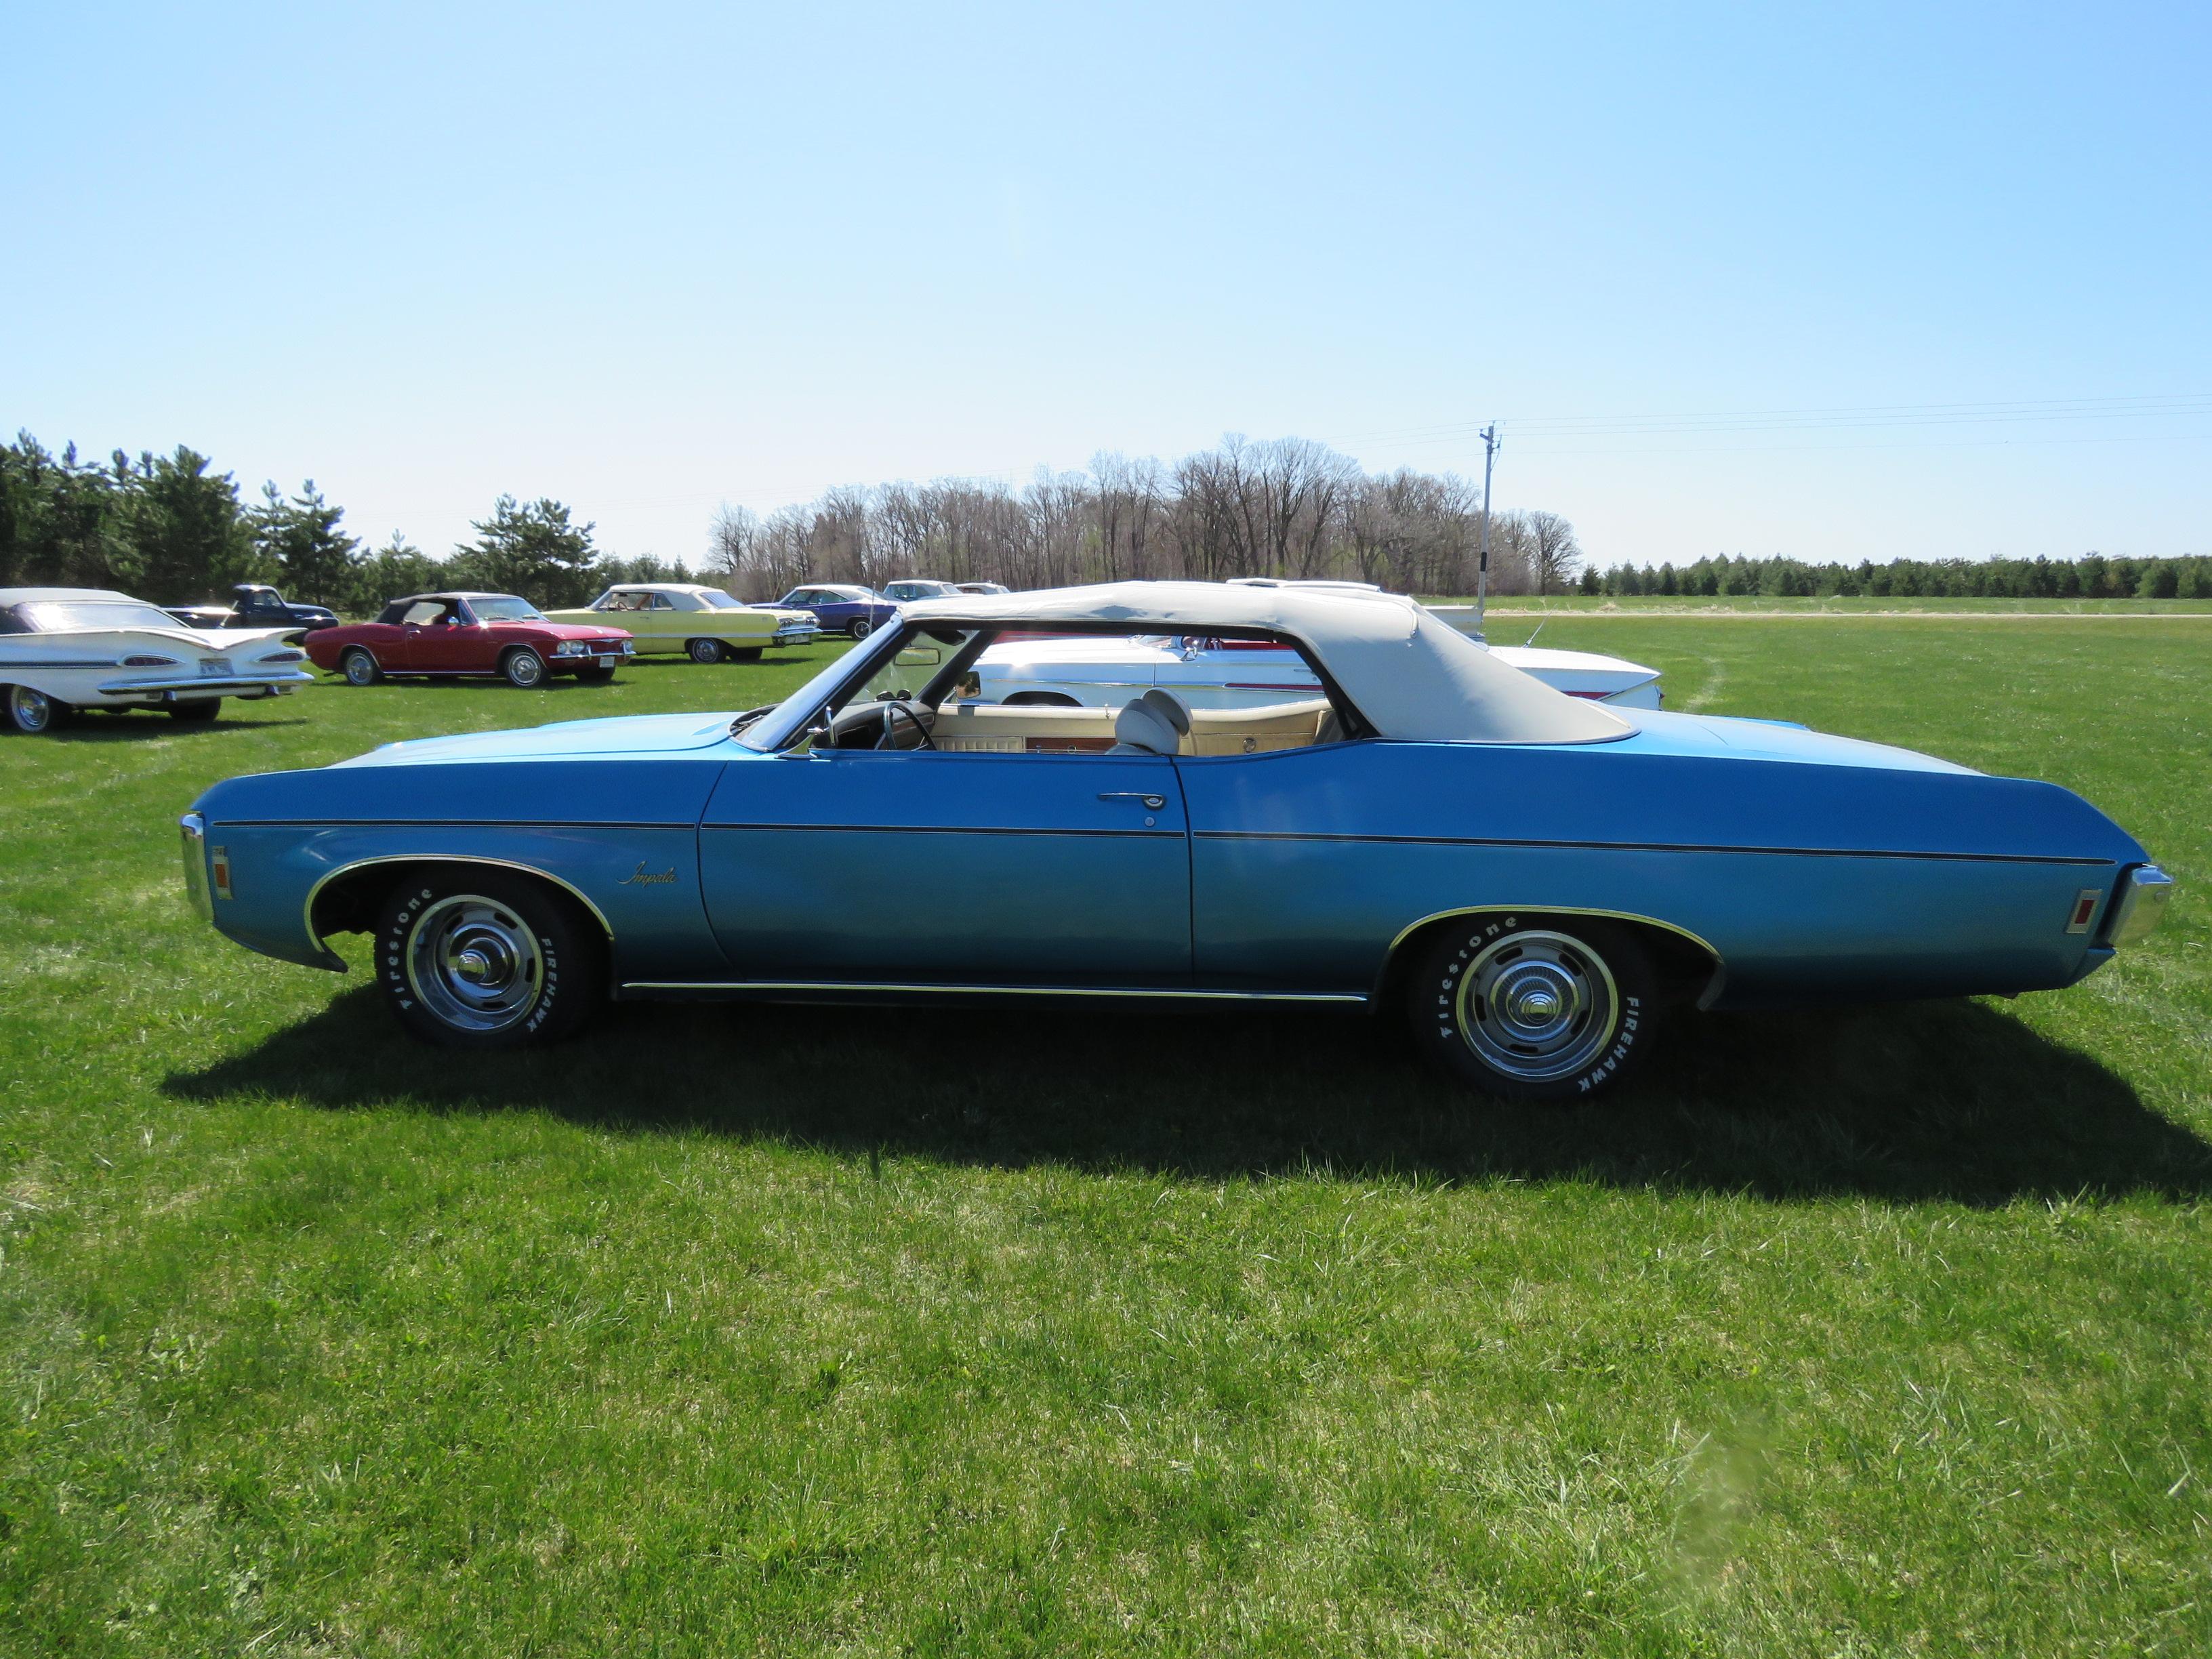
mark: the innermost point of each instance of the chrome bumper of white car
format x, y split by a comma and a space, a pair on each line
2137, 906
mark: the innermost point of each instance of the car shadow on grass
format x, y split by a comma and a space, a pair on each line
115, 726
1951, 1100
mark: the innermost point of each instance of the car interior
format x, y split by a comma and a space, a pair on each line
921, 697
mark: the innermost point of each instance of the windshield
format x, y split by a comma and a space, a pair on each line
57, 616
504, 607
888, 665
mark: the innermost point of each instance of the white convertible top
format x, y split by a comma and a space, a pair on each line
1415, 678
66, 596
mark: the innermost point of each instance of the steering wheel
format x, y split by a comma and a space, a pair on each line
892, 709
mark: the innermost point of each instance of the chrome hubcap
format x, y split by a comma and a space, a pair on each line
31, 709
1537, 1006
474, 964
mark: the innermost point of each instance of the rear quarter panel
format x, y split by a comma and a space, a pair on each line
1811, 882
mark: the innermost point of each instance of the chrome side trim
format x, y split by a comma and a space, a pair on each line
1706, 998
307, 911
903, 988
229, 683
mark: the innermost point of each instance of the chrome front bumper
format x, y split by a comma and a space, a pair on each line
193, 827
2138, 905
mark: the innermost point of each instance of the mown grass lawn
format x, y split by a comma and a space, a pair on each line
802, 1330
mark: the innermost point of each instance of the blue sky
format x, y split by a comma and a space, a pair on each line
1942, 273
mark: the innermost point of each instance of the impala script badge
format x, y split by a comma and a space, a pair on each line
645, 877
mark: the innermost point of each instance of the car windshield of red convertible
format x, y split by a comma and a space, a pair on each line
506, 607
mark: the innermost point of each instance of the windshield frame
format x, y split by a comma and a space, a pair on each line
476, 607
835, 685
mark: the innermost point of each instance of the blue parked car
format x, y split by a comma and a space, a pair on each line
1537, 881
841, 608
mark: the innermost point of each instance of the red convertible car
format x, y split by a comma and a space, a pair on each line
446, 634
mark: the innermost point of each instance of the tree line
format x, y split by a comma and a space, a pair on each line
169, 529
2092, 576
1285, 507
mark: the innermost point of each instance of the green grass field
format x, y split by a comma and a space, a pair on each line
1517, 605
794, 1331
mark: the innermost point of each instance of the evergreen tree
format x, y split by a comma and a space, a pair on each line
314, 560
186, 537
531, 551
393, 571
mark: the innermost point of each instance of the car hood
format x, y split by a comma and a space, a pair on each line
1717, 735
569, 630
626, 737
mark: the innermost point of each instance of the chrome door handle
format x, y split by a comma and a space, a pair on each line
1155, 802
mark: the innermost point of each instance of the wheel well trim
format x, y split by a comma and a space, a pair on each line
307, 911
1706, 998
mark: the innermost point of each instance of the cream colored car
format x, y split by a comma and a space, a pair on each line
704, 624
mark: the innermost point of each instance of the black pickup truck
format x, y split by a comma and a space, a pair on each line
254, 604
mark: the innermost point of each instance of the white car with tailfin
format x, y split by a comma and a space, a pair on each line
63, 649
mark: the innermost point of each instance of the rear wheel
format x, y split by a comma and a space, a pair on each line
359, 667
197, 712
32, 711
860, 628
750, 655
470, 958
704, 651
1535, 1007
524, 668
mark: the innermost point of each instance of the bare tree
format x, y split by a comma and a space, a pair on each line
1553, 552
1287, 507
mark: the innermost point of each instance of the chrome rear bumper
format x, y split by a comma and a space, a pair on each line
2138, 905
193, 829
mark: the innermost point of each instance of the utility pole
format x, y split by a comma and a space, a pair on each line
1482, 570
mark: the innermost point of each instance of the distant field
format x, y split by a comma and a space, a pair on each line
1753, 605
794, 1331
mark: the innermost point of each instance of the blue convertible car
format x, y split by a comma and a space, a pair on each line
1533, 879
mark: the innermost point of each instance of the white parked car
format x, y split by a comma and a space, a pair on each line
66, 648
1210, 672
919, 588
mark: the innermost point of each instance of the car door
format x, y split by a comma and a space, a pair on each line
879, 867
1301, 872
454, 643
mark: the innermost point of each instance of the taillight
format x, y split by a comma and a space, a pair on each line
149, 662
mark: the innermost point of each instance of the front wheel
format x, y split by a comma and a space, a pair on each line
524, 668
33, 712
484, 959
704, 651
359, 667
197, 712
1534, 1007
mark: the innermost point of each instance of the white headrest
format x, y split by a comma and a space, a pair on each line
1171, 707
1141, 725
